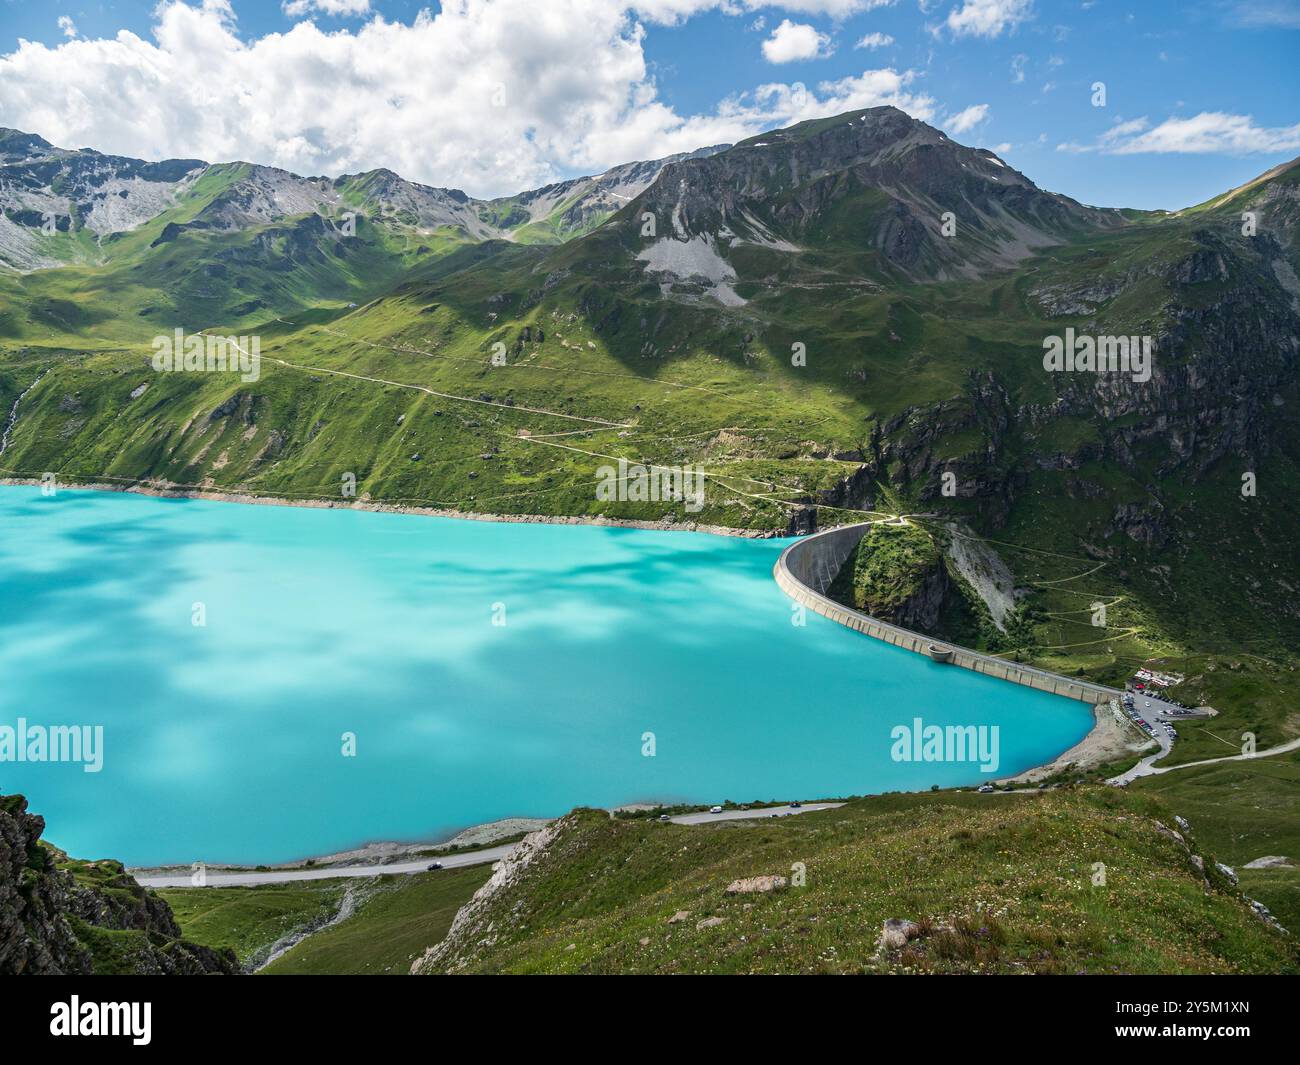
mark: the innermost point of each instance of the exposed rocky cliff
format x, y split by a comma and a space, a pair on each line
60, 916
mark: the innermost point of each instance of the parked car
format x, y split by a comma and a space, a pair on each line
984, 788
664, 817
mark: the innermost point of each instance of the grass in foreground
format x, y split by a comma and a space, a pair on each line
393, 926
250, 919
998, 883
1243, 811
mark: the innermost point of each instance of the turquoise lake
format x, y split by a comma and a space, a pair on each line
223, 742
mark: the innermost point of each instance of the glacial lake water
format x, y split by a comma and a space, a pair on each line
223, 742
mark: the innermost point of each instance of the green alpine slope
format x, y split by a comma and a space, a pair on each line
1087, 881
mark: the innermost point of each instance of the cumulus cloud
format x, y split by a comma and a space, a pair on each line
792, 41
296, 8
987, 18
873, 88
460, 98
1210, 132
68, 27
875, 40
967, 119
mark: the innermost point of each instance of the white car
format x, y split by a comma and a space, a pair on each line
715, 809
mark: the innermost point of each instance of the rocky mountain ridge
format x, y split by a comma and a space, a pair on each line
46, 191
886, 181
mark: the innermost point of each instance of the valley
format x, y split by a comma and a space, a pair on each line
840, 321
465, 373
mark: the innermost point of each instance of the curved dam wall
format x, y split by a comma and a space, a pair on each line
807, 567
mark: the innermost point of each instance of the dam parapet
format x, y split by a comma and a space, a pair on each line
806, 570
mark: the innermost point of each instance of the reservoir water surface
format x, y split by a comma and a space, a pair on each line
483, 670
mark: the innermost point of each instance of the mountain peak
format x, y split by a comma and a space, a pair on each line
877, 184
16, 146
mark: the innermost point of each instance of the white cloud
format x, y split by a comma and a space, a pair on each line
1018, 68
68, 27
297, 8
1208, 132
967, 119
873, 88
417, 98
1002, 149
1280, 14
792, 41
875, 40
987, 18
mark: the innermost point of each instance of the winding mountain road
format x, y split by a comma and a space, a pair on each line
1144, 768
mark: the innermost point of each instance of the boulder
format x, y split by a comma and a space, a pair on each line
896, 933
1270, 861
751, 884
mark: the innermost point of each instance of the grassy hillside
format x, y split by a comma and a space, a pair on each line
998, 883
887, 568
401, 917
1244, 811
249, 920
391, 920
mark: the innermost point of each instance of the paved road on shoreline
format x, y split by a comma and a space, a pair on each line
449, 861
284, 876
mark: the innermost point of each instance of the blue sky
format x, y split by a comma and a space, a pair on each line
498, 95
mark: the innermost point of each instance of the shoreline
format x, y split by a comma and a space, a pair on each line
1102, 742
1106, 741
377, 852
162, 490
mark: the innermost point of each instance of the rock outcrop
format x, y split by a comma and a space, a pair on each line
60, 916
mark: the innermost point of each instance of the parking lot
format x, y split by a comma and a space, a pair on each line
1151, 711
